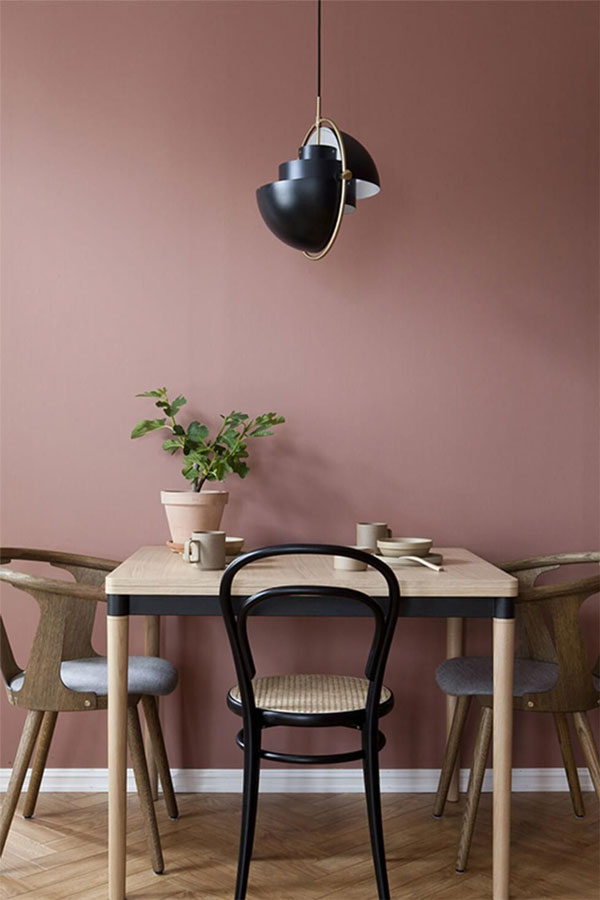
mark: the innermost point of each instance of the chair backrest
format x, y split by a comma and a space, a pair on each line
64, 631
385, 615
550, 630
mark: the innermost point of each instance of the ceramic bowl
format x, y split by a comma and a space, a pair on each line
233, 545
347, 564
403, 546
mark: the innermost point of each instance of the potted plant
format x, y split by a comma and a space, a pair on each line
205, 459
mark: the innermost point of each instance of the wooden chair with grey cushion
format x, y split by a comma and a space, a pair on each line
552, 675
65, 673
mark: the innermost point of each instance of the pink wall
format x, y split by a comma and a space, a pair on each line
438, 369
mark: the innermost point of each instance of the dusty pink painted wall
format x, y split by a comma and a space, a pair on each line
438, 370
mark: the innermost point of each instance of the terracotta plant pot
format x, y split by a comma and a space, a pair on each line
189, 511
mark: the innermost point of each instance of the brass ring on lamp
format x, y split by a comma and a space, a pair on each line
345, 176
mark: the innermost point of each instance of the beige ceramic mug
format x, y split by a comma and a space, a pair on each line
368, 533
207, 548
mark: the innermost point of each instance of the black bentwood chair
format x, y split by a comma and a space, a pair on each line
310, 701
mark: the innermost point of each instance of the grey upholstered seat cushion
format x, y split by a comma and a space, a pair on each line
596, 682
146, 675
473, 675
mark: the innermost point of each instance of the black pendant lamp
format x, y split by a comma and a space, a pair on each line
305, 207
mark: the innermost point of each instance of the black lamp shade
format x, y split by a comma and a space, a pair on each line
301, 208
361, 164
358, 159
301, 212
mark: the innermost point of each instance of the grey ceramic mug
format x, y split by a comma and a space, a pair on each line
368, 533
206, 548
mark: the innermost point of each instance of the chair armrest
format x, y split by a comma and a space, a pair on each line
57, 558
550, 562
27, 582
585, 586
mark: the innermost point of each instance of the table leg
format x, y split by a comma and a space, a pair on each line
504, 640
118, 647
152, 648
455, 634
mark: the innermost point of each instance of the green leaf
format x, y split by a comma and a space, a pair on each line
198, 456
147, 425
264, 423
229, 438
189, 471
159, 392
177, 403
197, 432
234, 419
172, 444
261, 431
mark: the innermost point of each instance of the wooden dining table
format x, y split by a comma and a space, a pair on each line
156, 582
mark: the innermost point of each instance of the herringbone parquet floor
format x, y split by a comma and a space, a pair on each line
308, 847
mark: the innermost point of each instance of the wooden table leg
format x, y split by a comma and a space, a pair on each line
455, 635
504, 641
118, 647
152, 648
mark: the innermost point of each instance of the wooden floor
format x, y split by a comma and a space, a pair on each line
308, 846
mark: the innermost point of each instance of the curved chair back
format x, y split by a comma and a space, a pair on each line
550, 630
64, 631
236, 610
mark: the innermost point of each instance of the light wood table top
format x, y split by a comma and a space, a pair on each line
159, 571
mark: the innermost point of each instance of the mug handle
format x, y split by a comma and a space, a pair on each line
191, 551
389, 532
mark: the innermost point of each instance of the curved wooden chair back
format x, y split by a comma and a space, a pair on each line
549, 630
64, 631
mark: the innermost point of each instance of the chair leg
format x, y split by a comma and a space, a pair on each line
160, 754
39, 763
249, 807
564, 739
588, 745
19, 770
373, 798
482, 746
142, 780
451, 753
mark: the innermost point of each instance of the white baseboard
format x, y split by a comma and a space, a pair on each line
302, 781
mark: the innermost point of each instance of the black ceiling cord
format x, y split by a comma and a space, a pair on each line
318, 48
